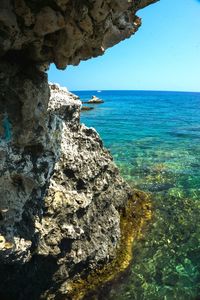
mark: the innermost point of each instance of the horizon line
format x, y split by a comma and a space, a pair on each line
134, 90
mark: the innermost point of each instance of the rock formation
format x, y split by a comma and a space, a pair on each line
65, 31
86, 108
95, 100
60, 193
75, 225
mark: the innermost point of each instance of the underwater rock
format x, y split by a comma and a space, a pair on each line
86, 108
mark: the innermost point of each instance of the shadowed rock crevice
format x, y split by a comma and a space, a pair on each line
27, 281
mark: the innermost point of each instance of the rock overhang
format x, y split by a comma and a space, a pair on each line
65, 31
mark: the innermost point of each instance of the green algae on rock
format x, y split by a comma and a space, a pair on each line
133, 219
165, 266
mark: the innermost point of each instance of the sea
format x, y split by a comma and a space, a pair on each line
154, 138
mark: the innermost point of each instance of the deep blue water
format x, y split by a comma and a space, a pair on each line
154, 138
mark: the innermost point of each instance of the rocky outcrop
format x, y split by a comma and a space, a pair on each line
60, 193
75, 225
86, 108
95, 100
65, 31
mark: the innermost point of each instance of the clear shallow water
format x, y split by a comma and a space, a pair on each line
154, 138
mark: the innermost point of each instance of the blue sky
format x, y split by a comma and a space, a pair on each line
163, 55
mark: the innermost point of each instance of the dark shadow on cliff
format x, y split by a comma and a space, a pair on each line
28, 281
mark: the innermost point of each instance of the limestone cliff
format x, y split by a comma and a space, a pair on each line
48, 238
60, 193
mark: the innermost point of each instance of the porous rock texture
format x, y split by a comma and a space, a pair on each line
65, 31
49, 238
60, 192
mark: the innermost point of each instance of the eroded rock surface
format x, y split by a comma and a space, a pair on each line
65, 31
26, 152
76, 225
60, 192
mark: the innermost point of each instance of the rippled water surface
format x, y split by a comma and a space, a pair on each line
154, 138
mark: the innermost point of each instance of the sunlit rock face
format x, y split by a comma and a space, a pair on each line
61, 195
60, 192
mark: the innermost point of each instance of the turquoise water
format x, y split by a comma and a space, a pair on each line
154, 138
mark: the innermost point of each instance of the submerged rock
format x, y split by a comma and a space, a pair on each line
86, 108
